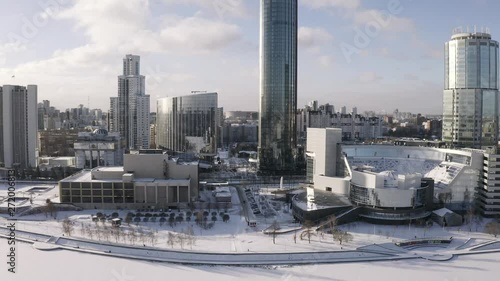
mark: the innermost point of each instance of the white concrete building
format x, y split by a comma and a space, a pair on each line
18, 136
144, 181
390, 176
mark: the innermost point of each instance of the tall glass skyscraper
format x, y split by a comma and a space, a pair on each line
188, 123
470, 98
278, 85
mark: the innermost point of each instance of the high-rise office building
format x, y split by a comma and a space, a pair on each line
129, 113
278, 85
113, 115
470, 98
188, 123
18, 134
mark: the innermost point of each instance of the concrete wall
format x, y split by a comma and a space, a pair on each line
107, 175
394, 197
367, 179
176, 171
145, 165
338, 185
409, 181
323, 143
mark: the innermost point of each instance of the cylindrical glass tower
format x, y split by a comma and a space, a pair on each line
470, 99
278, 85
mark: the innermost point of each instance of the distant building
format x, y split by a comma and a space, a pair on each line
235, 133
113, 115
98, 149
243, 116
188, 123
130, 117
19, 119
470, 97
144, 181
152, 135
51, 162
355, 127
55, 143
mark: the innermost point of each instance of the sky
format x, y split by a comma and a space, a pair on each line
378, 55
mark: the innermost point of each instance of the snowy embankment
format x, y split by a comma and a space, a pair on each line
185, 257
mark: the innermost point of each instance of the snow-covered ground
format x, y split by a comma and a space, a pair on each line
67, 265
236, 236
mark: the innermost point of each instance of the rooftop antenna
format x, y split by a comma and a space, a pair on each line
467, 29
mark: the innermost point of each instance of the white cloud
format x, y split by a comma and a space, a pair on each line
221, 8
318, 4
313, 38
369, 77
325, 61
384, 20
125, 25
113, 28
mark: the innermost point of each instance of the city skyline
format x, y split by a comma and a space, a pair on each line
400, 66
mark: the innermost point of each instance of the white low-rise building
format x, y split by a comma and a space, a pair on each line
144, 181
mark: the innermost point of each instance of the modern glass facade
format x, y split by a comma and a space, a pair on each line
470, 98
188, 123
278, 85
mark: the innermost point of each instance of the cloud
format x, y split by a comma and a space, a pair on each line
343, 4
390, 54
125, 26
384, 20
313, 37
111, 29
7, 49
410, 76
369, 77
221, 8
325, 61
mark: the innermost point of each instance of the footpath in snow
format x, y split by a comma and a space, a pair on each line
381, 252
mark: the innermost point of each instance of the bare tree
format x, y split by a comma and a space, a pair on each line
191, 238
142, 236
67, 226
171, 240
50, 208
469, 217
105, 233
82, 229
89, 231
275, 226
308, 232
132, 237
332, 223
152, 238
343, 236
98, 233
478, 221
117, 233
180, 237
492, 228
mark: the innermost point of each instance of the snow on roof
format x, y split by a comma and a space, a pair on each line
442, 212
